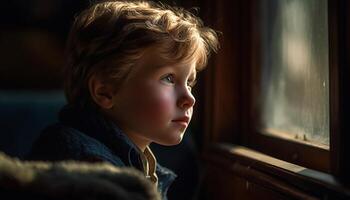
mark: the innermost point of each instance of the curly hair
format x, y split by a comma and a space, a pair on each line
110, 36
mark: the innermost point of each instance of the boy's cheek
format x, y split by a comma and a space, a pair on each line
156, 108
150, 102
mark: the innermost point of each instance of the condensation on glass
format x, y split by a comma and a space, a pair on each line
295, 70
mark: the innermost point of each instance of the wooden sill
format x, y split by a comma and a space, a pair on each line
278, 175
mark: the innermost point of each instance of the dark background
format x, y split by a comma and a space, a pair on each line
33, 35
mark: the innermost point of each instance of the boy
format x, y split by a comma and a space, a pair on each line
130, 70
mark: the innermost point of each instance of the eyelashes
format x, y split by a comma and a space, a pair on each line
170, 79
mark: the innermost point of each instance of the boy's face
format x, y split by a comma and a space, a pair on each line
155, 104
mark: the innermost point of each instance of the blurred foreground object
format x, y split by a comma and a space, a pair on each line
71, 180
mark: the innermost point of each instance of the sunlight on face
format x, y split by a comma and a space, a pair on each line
155, 104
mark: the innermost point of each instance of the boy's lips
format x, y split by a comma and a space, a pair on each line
182, 120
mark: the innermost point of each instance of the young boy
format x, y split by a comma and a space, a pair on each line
130, 70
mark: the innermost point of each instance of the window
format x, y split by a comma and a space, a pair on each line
294, 97
237, 108
291, 82
279, 87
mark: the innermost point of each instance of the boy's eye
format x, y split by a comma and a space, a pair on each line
169, 78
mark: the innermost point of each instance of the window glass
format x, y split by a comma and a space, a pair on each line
295, 79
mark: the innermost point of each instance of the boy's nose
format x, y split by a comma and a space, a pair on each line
186, 101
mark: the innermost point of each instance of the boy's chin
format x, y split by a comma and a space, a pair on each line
171, 141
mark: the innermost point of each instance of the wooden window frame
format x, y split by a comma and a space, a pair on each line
289, 150
229, 114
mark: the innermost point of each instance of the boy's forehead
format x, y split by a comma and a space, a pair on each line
181, 66
153, 59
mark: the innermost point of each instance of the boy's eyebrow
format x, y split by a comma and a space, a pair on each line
160, 65
192, 77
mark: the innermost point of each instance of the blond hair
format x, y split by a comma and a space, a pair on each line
109, 37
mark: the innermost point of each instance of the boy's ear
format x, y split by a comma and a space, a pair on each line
101, 92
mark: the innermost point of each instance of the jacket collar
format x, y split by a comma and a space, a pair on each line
94, 124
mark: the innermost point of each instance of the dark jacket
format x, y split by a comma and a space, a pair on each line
85, 134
